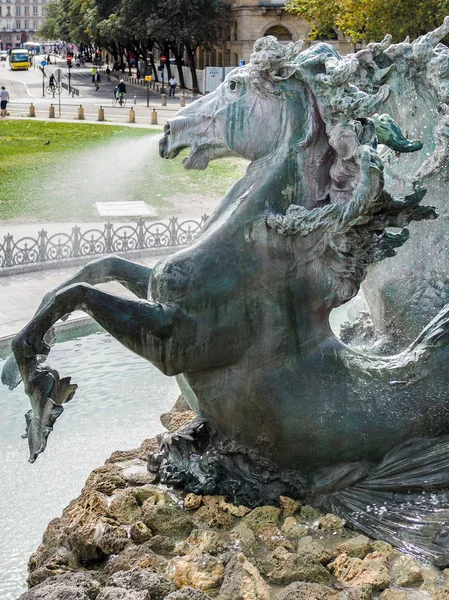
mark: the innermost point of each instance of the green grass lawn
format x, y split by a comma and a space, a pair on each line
32, 172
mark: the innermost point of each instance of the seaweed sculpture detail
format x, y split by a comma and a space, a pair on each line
241, 317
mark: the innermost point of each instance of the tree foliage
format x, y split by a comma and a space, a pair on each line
370, 20
126, 27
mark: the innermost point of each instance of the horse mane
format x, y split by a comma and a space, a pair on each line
353, 223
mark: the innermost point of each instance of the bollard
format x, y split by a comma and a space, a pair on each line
183, 100
32, 111
132, 115
51, 112
164, 99
135, 100
154, 117
101, 114
81, 113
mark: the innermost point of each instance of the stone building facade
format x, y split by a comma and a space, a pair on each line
20, 21
250, 20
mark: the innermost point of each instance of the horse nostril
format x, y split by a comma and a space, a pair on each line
167, 129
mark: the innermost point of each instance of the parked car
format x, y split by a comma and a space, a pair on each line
3, 55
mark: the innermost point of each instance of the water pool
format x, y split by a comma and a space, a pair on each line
116, 406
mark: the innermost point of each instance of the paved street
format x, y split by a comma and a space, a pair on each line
25, 87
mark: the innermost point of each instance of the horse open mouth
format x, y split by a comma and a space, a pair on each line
170, 147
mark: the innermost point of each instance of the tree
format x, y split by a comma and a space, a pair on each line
371, 20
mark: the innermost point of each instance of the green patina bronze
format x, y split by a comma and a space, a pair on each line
241, 317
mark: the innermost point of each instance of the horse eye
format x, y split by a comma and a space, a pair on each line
232, 85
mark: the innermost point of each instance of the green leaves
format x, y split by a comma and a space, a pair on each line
370, 20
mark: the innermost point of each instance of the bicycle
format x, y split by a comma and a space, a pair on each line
120, 99
53, 89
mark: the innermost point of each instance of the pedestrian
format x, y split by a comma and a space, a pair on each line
138, 74
4, 99
48, 60
93, 72
97, 80
108, 73
173, 83
78, 62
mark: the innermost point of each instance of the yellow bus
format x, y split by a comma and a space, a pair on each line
19, 59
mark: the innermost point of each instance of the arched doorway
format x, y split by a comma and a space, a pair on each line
279, 32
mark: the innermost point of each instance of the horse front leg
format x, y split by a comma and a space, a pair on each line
142, 327
133, 276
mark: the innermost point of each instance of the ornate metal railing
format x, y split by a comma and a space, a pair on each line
58, 246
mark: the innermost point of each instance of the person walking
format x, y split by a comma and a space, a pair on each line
138, 74
173, 83
4, 99
97, 80
93, 73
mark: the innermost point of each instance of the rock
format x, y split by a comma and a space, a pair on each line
288, 506
147, 446
358, 546
311, 547
105, 479
287, 567
242, 581
161, 544
111, 540
393, 595
206, 542
272, 538
83, 585
135, 472
354, 572
139, 579
245, 540
406, 572
307, 591
203, 573
113, 593
383, 548
293, 528
140, 533
167, 520
173, 420
331, 521
188, 593
234, 510
308, 512
136, 556
261, 516
192, 501
212, 516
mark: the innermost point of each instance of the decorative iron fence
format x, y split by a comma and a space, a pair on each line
140, 236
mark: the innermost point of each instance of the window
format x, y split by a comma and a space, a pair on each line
35, 24
279, 32
18, 37
18, 24
8, 11
27, 10
35, 10
17, 10
27, 25
44, 10
8, 24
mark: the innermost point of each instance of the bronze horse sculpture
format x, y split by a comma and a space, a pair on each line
241, 317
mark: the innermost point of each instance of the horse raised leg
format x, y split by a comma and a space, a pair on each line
133, 276
141, 326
